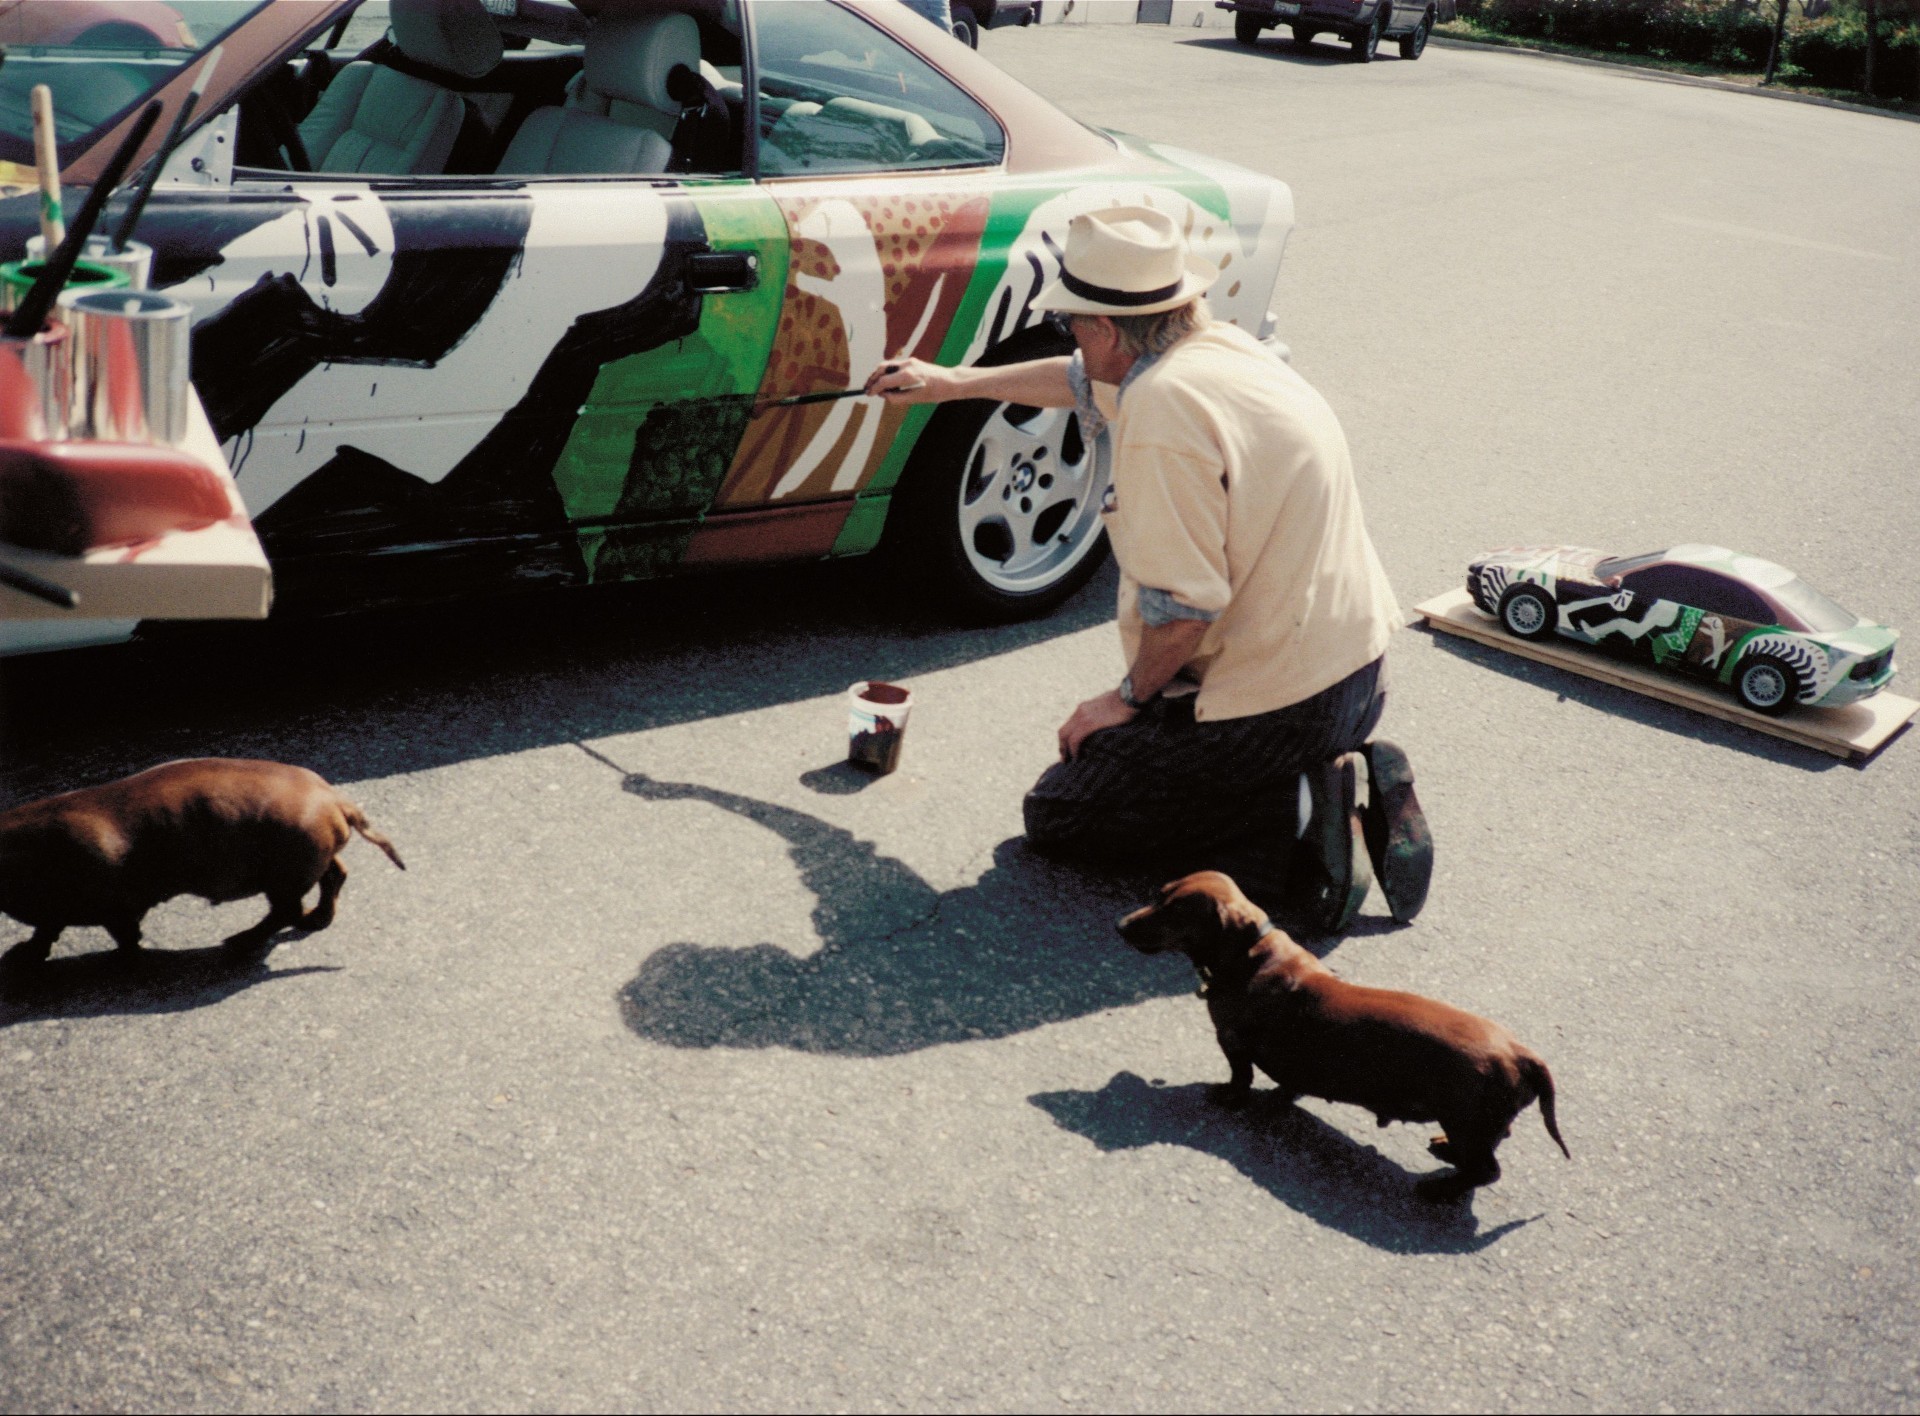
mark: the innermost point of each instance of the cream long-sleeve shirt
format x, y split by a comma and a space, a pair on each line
1233, 491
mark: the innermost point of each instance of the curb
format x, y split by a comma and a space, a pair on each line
1664, 76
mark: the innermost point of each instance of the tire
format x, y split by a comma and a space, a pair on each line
1303, 36
1248, 28
1366, 44
1528, 612
998, 514
967, 31
1766, 683
1412, 46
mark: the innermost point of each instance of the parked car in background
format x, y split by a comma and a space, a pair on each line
524, 296
1363, 24
1704, 611
972, 16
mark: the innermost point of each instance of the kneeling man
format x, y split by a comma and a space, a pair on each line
1254, 613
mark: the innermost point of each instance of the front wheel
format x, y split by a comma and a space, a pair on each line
967, 31
999, 515
1767, 684
1247, 28
1412, 46
1366, 44
1528, 612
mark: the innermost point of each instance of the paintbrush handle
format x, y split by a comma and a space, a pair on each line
124, 232
46, 155
38, 586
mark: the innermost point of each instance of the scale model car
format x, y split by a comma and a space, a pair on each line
1746, 623
526, 292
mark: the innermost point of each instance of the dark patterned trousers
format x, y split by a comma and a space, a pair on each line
1165, 791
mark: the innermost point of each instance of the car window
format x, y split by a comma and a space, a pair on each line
840, 95
1814, 610
99, 62
1701, 589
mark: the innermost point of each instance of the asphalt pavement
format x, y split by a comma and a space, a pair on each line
685, 1069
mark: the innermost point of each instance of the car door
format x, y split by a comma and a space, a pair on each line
435, 384
875, 161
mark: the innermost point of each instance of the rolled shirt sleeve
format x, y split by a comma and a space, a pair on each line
1093, 422
1173, 506
1158, 607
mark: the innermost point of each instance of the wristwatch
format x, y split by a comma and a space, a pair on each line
1126, 695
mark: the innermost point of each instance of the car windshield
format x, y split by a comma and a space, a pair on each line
98, 60
1813, 609
1626, 565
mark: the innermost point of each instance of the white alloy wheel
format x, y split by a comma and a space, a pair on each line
1029, 498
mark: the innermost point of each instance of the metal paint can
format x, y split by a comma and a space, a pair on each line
130, 356
36, 385
135, 263
876, 724
16, 279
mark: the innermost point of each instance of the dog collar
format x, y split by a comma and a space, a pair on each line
1205, 989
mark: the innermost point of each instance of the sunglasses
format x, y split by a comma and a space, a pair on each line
1060, 323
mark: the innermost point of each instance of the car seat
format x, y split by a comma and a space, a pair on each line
622, 114
373, 118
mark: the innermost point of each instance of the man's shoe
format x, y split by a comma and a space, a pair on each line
1334, 871
1398, 838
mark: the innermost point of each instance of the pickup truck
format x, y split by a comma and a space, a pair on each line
1362, 23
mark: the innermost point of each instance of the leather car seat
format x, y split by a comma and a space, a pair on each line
621, 118
376, 119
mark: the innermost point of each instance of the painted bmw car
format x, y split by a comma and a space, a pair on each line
528, 292
1746, 623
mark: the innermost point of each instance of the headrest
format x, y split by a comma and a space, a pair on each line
629, 56
454, 36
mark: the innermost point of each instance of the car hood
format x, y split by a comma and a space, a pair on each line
1572, 562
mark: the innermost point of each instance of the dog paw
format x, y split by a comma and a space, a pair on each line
1441, 1149
1227, 1095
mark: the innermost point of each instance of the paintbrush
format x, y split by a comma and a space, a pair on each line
46, 157
124, 232
27, 583
34, 307
799, 398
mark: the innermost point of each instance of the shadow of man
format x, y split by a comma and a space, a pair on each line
902, 965
1290, 1153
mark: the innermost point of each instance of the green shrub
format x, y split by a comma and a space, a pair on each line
1832, 53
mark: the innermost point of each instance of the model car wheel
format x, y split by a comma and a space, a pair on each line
1528, 612
1767, 684
1366, 44
999, 515
967, 31
1247, 28
1412, 46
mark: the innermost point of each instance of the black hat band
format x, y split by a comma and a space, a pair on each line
1106, 295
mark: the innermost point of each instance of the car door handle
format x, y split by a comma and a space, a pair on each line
718, 272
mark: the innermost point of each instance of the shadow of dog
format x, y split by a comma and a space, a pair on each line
105, 984
1300, 1160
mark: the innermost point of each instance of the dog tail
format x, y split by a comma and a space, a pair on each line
1534, 1069
357, 819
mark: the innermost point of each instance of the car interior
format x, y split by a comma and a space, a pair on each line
528, 88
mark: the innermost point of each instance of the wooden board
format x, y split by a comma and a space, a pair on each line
1855, 732
217, 572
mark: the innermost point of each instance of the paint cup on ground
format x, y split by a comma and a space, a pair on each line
130, 352
17, 277
135, 262
876, 724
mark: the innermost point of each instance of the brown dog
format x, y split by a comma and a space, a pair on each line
209, 826
1401, 1056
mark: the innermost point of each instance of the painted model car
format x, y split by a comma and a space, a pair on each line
1703, 610
526, 293
1361, 23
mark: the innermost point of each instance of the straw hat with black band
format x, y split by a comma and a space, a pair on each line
1125, 261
